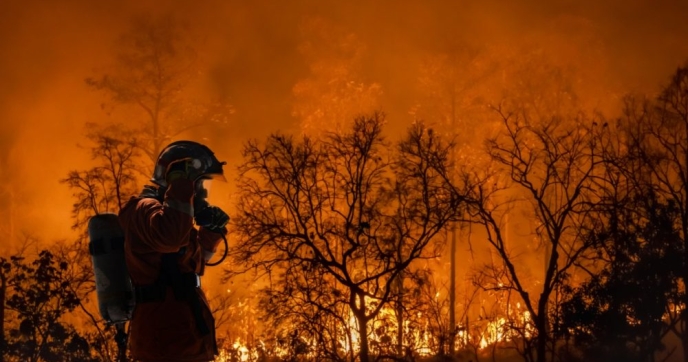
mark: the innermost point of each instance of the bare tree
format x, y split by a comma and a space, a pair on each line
108, 185
548, 168
348, 208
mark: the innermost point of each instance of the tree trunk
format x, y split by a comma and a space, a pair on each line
684, 339
541, 341
364, 352
400, 317
684, 322
3, 290
452, 293
399, 307
541, 326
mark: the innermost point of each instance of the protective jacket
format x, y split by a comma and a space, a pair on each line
165, 324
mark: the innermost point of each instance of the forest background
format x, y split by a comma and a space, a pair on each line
244, 71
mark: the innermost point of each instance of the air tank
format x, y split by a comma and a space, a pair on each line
113, 285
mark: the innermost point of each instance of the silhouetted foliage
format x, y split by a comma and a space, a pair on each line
37, 297
620, 313
656, 133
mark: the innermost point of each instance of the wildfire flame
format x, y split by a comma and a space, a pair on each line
485, 332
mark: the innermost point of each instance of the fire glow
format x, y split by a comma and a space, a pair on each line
481, 334
442, 62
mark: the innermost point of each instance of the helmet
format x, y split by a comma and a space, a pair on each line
211, 167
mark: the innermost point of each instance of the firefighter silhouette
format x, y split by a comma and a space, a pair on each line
170, 233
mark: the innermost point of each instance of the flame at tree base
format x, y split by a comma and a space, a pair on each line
421, 342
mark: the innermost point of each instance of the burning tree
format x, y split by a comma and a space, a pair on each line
338, 220
548, 170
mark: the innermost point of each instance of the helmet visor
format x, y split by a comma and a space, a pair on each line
215, 176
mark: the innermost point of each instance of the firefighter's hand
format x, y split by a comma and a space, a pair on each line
186, 168
213, 219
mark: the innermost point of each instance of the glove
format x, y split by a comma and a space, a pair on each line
185, 168
213, 219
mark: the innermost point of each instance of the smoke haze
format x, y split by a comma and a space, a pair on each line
254, 53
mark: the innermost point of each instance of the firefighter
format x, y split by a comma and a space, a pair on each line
170, 233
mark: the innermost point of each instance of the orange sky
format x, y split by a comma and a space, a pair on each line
251, 49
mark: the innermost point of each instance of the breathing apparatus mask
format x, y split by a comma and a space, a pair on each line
209, 217
200, 200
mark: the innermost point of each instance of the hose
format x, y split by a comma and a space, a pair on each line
223, 255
